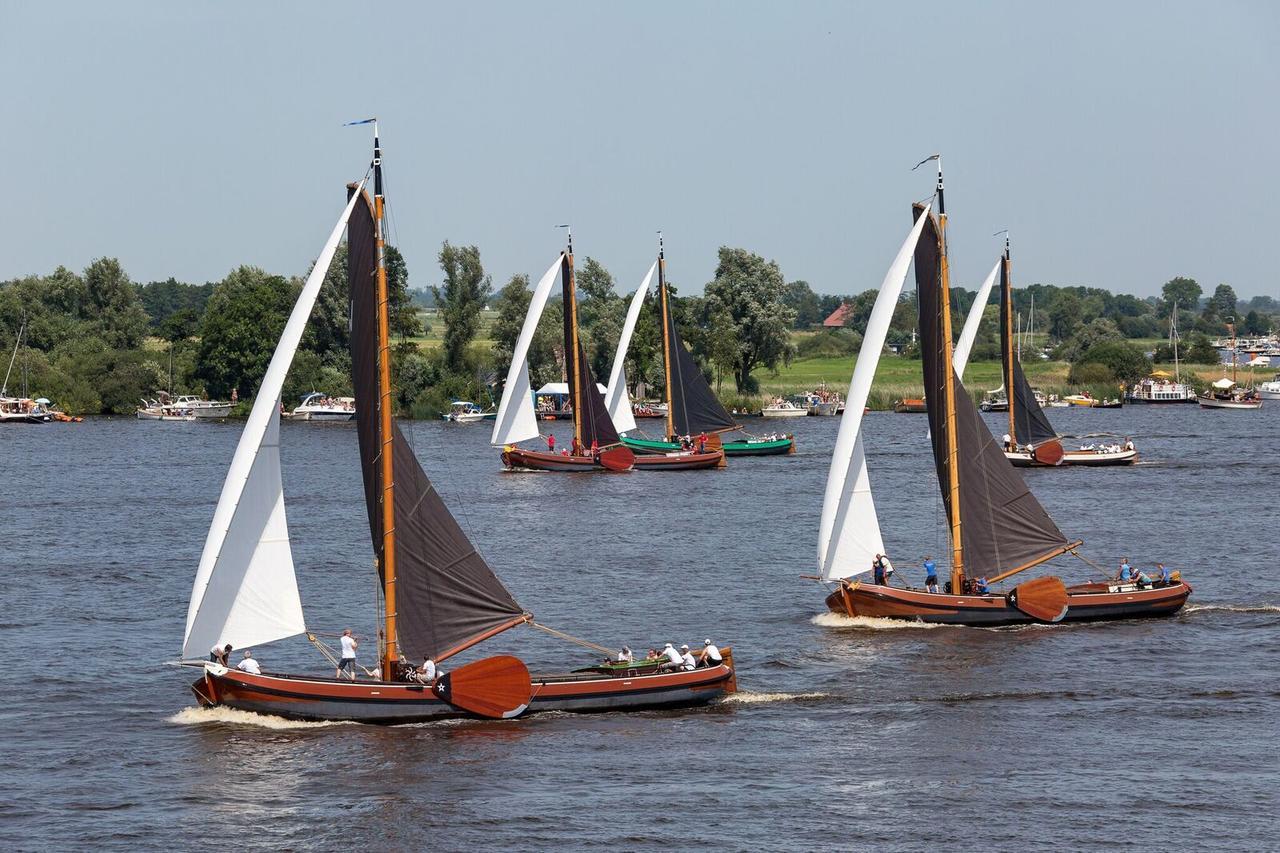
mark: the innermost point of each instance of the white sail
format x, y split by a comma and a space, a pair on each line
970, 332
245, 592
516, 419
616, 399
849, 531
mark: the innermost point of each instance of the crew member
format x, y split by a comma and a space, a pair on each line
249, 665
625, 656
1166, 576
427, 672
674, 661
882, 569
710, 655
930, 574
980, 586
220, 654
702, 442
1126, 570
551, 443
687, 661
348, 660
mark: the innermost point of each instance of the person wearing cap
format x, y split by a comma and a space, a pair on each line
710, 655
687, 661
673, 659
348, 660
249, 665
625, 656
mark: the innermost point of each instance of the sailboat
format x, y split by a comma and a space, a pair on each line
1160, 388
440, 598
997, 527
618, 402
21, 410
596, 446
692, 407
1031, 440
1225, 393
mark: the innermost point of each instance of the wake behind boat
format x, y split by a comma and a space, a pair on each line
439, 597
997, 527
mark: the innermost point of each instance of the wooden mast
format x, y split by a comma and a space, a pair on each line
949, 401
571, 317
666, 339
1008, 339
390, 654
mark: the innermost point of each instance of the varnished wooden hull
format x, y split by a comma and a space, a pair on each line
1087, 458
686, 461
1085, 603
611, 459
390, 703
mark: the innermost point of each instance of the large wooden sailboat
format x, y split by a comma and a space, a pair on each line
1032, 441
618, 402
1226, 393
692, 407
595, 446
997, 527
439, 597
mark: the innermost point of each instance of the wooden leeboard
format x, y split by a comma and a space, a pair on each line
497, 687
617, 458
1043, 599
1049, 453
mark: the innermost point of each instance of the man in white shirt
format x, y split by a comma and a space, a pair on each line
220, 654
348, 661
625, 655
710, 654
687, 661
427, 672
674, 661
249, 665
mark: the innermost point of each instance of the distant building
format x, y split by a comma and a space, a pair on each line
838, 316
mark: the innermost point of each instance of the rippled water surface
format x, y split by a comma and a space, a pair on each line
1157, 735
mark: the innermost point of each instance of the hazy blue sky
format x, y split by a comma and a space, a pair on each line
1123, 143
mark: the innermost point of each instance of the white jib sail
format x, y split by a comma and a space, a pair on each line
970, 332
849, 532
516, 419
616, 399
245, 592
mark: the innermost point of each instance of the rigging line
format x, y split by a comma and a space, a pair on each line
1076, 553
572, 639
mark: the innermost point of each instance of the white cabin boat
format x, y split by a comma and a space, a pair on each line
321, 407
204, 408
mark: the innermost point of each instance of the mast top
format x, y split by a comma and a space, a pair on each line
569, 230
660, 245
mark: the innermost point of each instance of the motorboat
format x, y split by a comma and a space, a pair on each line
467, 412
201, 408
781, 408
1270, 390
163, 409
321, 407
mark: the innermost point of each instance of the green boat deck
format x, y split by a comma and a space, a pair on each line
746, 447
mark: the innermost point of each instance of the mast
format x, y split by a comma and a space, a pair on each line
390, 654
949, 399
1007, 288
666, 338
1173, 336
1231, 329
4, 389
571, 344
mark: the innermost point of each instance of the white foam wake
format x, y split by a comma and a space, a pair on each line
747, 697
222, 714
874, 623
1234, 608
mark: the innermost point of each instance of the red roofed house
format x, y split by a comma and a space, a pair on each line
838, 316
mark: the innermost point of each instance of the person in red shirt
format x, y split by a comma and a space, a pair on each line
595, 447
702, 443
551, 443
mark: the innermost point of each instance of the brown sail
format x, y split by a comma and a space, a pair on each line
589, 408
1002, 525
1030, 424
694, 406
446, 595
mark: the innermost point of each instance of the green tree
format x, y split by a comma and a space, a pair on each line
601, 312
1064, 316
1185, 292
460, 300
750, 290
1123, 362
722, 343
1223, 304
328, 331
806, 304
112, 304
240, 328
512, 305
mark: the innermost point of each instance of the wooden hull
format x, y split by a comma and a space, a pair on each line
679, 461
784, 413
1085, 603
914, 407
1087, 458
611, 459
731, 448
1219, 403
390, 703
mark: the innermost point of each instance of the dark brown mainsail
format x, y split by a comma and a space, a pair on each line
1002, 525
1030, 424
446, 594
694, 406
591, 413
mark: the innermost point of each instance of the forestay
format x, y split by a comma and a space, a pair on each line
616, 400
849, 535
970, 331
516, 420
245, 591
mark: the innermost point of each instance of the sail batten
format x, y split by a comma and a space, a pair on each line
446, 594
516, 420
1002, 525
849, 535
617, 400
245, 591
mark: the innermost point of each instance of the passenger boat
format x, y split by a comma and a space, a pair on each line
467, 412
997, 527
596, 446
210, 409
1161, 388
759, 445
321, 407
692, 408
1225, 393
689, 456
649, 410
440, 598
163, 409
781, 408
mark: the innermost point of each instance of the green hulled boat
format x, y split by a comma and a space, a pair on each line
746, 447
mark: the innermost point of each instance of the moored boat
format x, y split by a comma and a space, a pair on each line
910, 405
317, 406
201, 408
997, 528
1225, 393
439, 598
467, 412
782, 408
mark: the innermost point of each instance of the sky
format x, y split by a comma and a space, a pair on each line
1122, 144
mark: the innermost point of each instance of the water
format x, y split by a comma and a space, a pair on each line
848, 734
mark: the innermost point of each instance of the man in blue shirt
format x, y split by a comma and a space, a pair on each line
1126, 570
930, 575
981, 586
1166, 577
